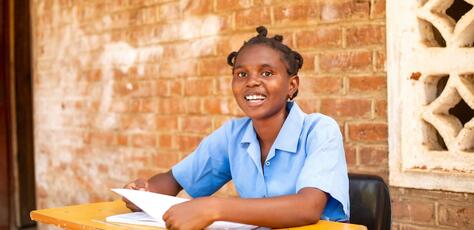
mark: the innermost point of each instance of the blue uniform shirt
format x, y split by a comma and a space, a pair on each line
308, 152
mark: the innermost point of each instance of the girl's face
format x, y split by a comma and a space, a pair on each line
260, 82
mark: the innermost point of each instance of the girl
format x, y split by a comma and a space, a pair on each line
288, 167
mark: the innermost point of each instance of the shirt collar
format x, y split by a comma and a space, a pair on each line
288, 137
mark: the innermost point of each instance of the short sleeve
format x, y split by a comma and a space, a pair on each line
325, 168
206, 169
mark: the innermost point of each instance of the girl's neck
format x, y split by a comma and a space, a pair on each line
267, 129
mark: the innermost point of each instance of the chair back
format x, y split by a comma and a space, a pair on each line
370, 202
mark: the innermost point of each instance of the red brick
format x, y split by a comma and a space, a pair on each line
100, 138
319, 85
134, 105
218, 121
224, 86
176, 88
309, 105
122, 139
294, 13
365, 35
124, 88
378, 9
148, 105
345, 61
196, 7
320, 37
203, 47
400, 210
214, 67
169, 106
195, 124
166, 123
166, 160
93, 75
165, 141
227, 44
187, 143
373, 156
346, 107
457, 216
193, 105
226, 5
145, 173
177, 69
414, 227
308, 62
415, 211
137, 122
380, 59
421, 211
173, 51
268, 2
368, 84
198, 87
344, 10
370, 132
216, 106
252, 17
143, 140
159, 87
132, 72
351, 157
381, 108
169, 11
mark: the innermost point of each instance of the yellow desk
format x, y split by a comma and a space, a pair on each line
92, 216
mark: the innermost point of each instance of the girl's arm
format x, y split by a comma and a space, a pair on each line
164, 183
303, 208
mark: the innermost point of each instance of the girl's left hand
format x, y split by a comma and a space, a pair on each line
194, 214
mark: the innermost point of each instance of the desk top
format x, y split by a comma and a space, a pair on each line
92, 216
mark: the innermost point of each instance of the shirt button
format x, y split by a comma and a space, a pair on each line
267, 163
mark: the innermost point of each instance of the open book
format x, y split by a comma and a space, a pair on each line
154, 205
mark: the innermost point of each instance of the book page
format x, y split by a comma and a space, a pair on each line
154, 205
139, 218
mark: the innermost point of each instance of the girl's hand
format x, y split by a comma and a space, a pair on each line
138, 184
194, 214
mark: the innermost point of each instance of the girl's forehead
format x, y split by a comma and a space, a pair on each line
258, 48
257, 53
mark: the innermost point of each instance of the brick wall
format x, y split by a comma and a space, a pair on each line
125, 89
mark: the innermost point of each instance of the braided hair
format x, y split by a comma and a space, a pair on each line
293, 59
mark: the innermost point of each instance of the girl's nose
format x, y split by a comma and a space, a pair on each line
253, 80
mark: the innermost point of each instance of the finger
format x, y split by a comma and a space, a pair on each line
168, 224
165, 216
133, 207
131, 185
141, 183
130, 205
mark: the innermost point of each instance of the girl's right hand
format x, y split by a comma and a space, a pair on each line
138, 184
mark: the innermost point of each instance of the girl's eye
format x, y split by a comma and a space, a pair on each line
267, 74
242, 74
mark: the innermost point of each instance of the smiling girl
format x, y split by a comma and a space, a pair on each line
288, 167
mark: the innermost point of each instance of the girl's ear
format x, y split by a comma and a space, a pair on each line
293, 87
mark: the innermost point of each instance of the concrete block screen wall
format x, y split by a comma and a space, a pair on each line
431, 94
125, 89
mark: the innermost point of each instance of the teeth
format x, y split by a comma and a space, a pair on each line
255, 97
